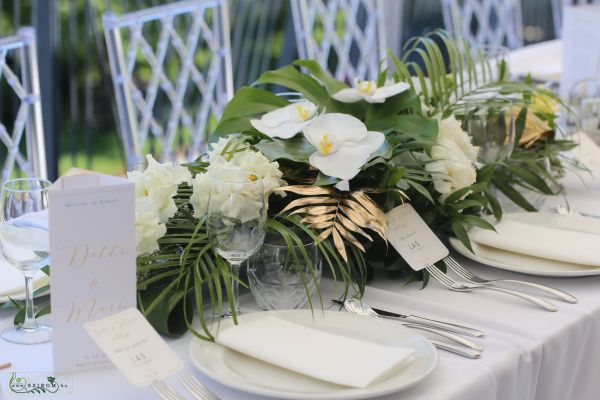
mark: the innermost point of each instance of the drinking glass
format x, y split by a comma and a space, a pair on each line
491, 125
284, 276
236, 218
24, 243
584, 93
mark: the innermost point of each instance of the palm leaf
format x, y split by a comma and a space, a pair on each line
339, 215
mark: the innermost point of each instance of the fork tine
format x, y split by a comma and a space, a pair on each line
442, 277
459, 269
194, 386
165, 391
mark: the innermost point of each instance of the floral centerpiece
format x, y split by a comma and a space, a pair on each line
333, 163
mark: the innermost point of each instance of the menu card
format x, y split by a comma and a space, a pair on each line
93, 261
581, 45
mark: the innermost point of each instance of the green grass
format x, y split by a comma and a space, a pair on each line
106, 155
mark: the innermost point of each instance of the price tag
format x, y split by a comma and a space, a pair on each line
413, 239
134, 347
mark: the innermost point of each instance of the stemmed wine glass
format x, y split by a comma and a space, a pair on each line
236, 218
24, 243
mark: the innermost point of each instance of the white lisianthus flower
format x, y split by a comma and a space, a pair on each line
248, 160
285, 122
369, 92
453, 155
148, 229
343, 144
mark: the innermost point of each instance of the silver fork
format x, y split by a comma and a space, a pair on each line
451, 284
196, 388
165, 392
361, 308
470, 276
460, 350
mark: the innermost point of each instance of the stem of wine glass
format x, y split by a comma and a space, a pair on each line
29, 324
235, 287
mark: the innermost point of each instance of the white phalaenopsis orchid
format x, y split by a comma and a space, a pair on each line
286, 121
369, 92
343, 144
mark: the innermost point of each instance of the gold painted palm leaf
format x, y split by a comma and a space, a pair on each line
339, 215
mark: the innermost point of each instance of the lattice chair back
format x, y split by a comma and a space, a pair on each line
346, 37
557, 11
172, 74
485, 22
22, 151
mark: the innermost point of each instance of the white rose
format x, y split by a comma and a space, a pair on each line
453, 155
159, 182
148, 228
451, 129
245, 203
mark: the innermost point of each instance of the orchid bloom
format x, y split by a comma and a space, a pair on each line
343, 144
286, 121
369, 92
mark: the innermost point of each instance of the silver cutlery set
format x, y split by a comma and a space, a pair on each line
451, 331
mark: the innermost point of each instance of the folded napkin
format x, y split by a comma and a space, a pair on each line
541, 241
543, 61
11, 280
321, 355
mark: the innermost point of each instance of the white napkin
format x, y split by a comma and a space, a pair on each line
543, 61
11, 279
321, 355
541, 241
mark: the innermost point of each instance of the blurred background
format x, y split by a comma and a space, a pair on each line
77, 92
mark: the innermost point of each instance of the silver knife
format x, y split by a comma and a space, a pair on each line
443, 325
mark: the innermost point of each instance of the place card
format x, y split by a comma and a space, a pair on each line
581, 45
134, 347
93, 261
413, 239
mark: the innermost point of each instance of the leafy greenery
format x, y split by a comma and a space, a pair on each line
442, 73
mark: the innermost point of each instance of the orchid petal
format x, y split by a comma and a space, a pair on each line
340, 127
277, 117
348, 95
343, 164
285, 130
391, 90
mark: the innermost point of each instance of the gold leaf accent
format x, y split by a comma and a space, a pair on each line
534, 130
305, 201
305, 190
314, 210
341, 215
339, 244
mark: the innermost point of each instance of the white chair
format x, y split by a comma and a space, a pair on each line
346, 36
485, 22
172, 74
25, 151
557, 14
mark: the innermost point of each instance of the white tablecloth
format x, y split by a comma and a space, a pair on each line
529, 353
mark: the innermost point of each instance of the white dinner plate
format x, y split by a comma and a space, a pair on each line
250, 375
531, 265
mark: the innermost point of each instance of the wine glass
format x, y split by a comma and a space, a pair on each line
236, 218
491, 125
24, 243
